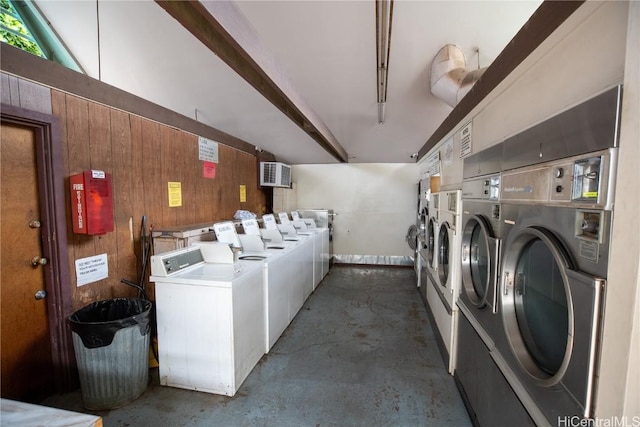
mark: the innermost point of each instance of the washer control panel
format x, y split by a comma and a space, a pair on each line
169, 263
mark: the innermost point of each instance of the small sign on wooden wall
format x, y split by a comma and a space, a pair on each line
91, 269
175, 194
209, 170
207, 150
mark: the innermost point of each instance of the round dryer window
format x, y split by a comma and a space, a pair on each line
443, 254
431, 243
476, 260
538, 315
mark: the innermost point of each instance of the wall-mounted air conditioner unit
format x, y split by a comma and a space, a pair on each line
275, 174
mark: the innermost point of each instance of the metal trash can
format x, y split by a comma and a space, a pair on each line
111, 343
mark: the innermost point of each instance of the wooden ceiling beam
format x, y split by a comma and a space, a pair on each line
544, 21
225, 31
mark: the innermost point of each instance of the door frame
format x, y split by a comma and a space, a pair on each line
51, 179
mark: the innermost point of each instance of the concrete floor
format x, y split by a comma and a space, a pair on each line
361, 352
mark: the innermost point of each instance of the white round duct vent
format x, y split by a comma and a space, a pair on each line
450, 80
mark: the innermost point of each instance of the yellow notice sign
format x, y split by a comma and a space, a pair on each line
175, 194
243, 193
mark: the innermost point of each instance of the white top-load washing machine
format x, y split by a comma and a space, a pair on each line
210, 318
443, 292
288, 274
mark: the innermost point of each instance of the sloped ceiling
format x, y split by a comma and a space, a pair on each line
326, 48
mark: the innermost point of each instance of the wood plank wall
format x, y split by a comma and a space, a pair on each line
142, 157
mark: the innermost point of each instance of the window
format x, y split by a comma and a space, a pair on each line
14, 32
22, 25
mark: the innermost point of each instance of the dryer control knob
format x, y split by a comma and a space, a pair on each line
559, 172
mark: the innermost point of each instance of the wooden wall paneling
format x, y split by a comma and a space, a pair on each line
206, 188
239, 175
253, 190
59, 109
238, 179
183, 166
262, 195
228, 187
137, 182
200, 184
82, 246
246, 180
215, 194
123, 196
102, 159
213, 189
168, 173
193, 169
229, 190
155, 191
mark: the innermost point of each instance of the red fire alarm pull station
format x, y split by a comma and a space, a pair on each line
91, 202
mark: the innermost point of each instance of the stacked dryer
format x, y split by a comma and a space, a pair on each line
537, 215
428, 248
445, 283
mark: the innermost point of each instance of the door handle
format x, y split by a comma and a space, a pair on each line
41, 294
36, 261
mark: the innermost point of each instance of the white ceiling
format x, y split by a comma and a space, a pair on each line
328, 50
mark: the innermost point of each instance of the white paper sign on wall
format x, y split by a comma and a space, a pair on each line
466, 140
207, 150
433, 164
92, 269
447, 148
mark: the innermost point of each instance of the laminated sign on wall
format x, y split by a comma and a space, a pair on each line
466, 140
175, 194
91, 269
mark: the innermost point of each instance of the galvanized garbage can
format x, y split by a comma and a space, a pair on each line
111, 343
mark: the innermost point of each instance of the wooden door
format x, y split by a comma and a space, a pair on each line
27, 372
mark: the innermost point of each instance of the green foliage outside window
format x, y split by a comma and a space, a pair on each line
14, 32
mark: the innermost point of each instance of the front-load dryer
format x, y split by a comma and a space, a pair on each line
480, 255
444, 291
557, 220
429, 250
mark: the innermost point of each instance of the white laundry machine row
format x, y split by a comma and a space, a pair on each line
442, 294
218, 315
288, 279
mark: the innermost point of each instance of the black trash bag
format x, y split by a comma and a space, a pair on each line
98, 322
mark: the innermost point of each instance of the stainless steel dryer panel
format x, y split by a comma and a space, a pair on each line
587, 127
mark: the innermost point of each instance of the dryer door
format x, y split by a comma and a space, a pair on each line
480, 258
551, 315
536, 305
432, 229
444, 246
